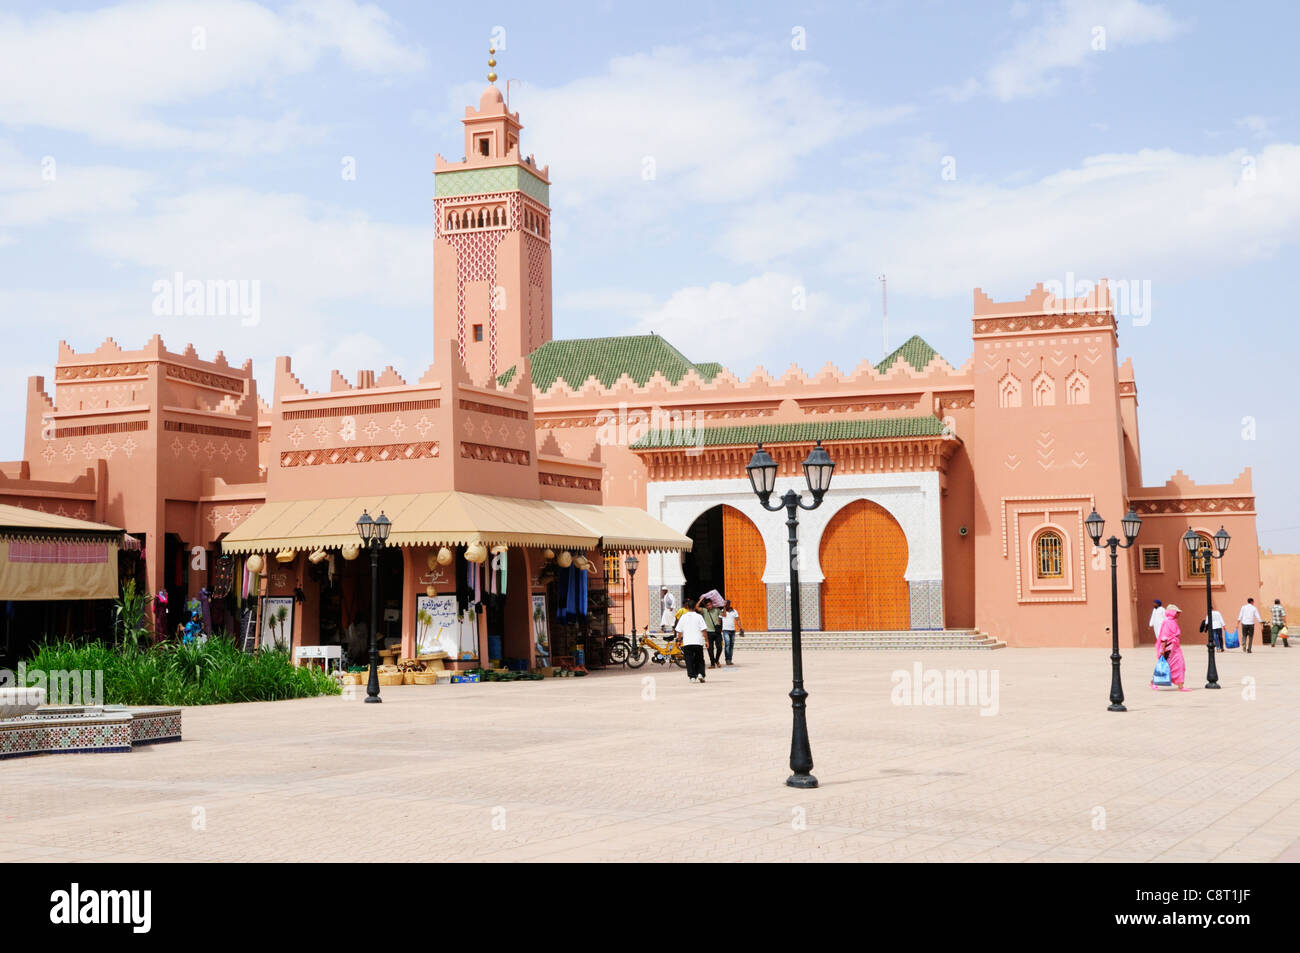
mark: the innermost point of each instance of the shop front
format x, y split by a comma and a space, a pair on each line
477, 579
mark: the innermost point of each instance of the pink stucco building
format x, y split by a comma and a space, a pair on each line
958, 500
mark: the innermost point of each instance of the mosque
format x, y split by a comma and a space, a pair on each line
958, 500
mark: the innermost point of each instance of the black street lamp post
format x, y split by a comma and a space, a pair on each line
1198, 546
632, 563
374, 533
817, 469
1096, 525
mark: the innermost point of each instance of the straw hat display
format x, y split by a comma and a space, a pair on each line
351, 551
255, 563
445, 557
285, 556
565, 559
476, 553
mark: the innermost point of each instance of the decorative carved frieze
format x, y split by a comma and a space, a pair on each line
348, 410
1069, 321
1204, 504
493, 454
568, 481
499, 411
378, 453
193, 375
917, 454
98, 371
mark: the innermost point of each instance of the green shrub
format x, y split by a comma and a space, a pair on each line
200, 673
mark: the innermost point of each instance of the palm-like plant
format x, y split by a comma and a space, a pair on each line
281, 614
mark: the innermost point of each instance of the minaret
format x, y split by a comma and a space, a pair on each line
492, 254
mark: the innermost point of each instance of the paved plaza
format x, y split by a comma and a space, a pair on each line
615, 767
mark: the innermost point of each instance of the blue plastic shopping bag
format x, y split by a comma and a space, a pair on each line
1233, 641
1161, 676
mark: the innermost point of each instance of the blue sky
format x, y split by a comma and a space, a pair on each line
1137, 141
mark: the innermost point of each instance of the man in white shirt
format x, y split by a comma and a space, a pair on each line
1248, 617
729, 620
691, 629
1215, 626
1157, 618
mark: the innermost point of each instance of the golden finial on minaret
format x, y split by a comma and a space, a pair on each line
492, 76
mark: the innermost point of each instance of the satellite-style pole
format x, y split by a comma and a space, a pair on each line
884, 310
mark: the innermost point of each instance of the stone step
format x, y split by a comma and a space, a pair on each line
895, 640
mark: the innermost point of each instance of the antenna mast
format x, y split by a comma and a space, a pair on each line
884, 310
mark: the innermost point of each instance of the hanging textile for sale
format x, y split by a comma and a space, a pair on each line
477, 582
205, 606
461, 574
582, 591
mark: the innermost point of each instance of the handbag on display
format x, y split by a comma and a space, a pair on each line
1161, 675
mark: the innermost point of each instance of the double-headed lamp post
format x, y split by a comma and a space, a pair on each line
817, 470
1096, 525
374, 533
1198, 546
631, 563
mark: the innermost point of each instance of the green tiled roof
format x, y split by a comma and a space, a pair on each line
913, 351
505, 178
792, 433
639, 356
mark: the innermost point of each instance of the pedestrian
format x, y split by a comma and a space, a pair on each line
1279, 624
668, 617
1170, 646
1214, 626
1157, 618
1248, 618
730, 626
690, 630
711, 619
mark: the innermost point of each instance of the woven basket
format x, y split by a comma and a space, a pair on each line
426, 678
390, 678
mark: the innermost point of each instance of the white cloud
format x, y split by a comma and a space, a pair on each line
1261, 127
733, 323
112, 73
719, 129
1152, 214
1068, 38
36, 192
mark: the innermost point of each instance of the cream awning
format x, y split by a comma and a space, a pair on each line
625, 528
47, 557
453, 519
447, 518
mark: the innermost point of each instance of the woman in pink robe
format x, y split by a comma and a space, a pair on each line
1169, 644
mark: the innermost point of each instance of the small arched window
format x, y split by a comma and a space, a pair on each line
1198, 563
1049, 556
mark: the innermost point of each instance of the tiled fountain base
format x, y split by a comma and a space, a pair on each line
77, 730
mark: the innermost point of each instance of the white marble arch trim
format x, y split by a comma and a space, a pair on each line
913, 499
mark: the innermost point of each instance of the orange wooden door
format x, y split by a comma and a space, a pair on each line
744, 557
863, 555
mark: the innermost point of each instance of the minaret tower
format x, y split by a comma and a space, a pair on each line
492, 254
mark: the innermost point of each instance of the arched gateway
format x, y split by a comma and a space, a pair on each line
728, 554
863, 554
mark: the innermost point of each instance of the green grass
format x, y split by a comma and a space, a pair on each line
212, 673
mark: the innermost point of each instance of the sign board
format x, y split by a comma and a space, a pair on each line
436, 626
277, 621
541, 632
